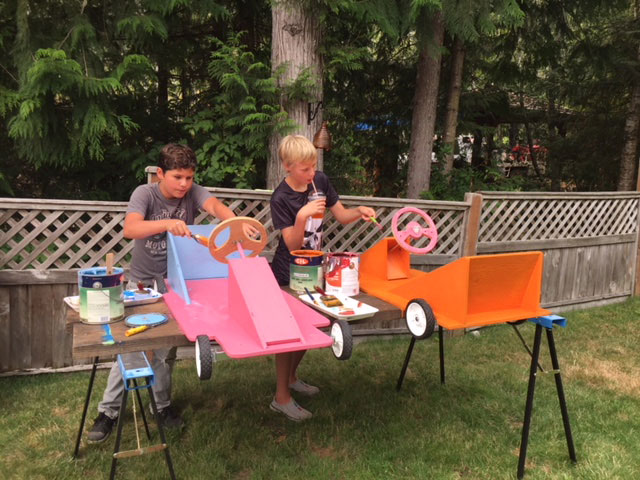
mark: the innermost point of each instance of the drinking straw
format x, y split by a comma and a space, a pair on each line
314, 186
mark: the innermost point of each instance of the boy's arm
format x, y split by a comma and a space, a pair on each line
348, 215
215, 207
293, 236
135, 226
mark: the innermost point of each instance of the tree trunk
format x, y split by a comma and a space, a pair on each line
295, 41
425, 101
532, 153
630, 147
455, 89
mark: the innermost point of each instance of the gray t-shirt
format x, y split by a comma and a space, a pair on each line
150, 254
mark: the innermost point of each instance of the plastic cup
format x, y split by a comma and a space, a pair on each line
317, 195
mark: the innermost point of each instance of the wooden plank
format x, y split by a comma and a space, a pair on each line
472, 224
48, 204
567, 273
40, 277
558, 195
41, 317
551, 276
61, 337
5, 329
636, 279
501, 247
20, 325
581, 303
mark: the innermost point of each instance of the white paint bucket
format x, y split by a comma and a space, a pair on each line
341, 274
101, 297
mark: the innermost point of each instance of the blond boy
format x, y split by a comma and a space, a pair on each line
300, 223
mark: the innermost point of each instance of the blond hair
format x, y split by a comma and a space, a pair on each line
296, 149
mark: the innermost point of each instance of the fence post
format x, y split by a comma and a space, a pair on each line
152, 176
636, 277
473, 224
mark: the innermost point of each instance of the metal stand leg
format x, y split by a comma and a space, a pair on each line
548, 323
86, 406
561, 398
441, 350
524, 343
116, 448
529, 405
167, 456
406, 363
144, 416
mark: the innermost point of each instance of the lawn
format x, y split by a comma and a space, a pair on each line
362, 428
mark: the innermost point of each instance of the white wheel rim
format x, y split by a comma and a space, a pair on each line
198, 364
416, 319
338, 339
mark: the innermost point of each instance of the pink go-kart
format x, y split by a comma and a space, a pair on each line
228, 294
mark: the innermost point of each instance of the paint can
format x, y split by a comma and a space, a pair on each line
101, 295
341, 273
305, 270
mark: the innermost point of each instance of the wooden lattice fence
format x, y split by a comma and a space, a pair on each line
43, 243
590, 241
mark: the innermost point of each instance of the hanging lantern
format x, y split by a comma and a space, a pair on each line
322, 138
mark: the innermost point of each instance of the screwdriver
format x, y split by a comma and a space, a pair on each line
134, 330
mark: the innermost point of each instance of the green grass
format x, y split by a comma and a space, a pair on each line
362, 428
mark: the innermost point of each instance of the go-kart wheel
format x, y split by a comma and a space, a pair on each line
420, 319
204, 357
342, 339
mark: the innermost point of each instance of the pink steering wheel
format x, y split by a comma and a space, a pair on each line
414, 231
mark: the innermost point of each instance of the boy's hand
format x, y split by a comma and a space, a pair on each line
314, 208
250, 231
178, 228
366, 213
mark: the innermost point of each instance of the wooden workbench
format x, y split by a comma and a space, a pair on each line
87, 339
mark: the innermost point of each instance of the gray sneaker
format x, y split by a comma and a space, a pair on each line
304, 388
291, 410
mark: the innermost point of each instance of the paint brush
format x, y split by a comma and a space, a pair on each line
320, 290
375, 221
107, 338
201, 239
109, 262
310, 296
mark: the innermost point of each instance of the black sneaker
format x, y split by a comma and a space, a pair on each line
170, 419
101, 429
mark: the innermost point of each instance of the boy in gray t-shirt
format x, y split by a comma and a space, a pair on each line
155, 209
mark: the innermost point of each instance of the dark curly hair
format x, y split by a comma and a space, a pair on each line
174, 156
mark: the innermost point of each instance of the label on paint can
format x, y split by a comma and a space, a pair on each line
305, 270
342, 274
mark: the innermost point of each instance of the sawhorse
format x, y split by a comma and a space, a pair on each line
132, 366
547, 323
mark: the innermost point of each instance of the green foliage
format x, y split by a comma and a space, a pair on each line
232, 132
467, 178
65, 115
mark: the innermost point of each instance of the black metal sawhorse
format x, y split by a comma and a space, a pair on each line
547, 323
132, 367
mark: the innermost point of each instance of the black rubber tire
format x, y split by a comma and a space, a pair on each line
342, 347
418, 330
204, 357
